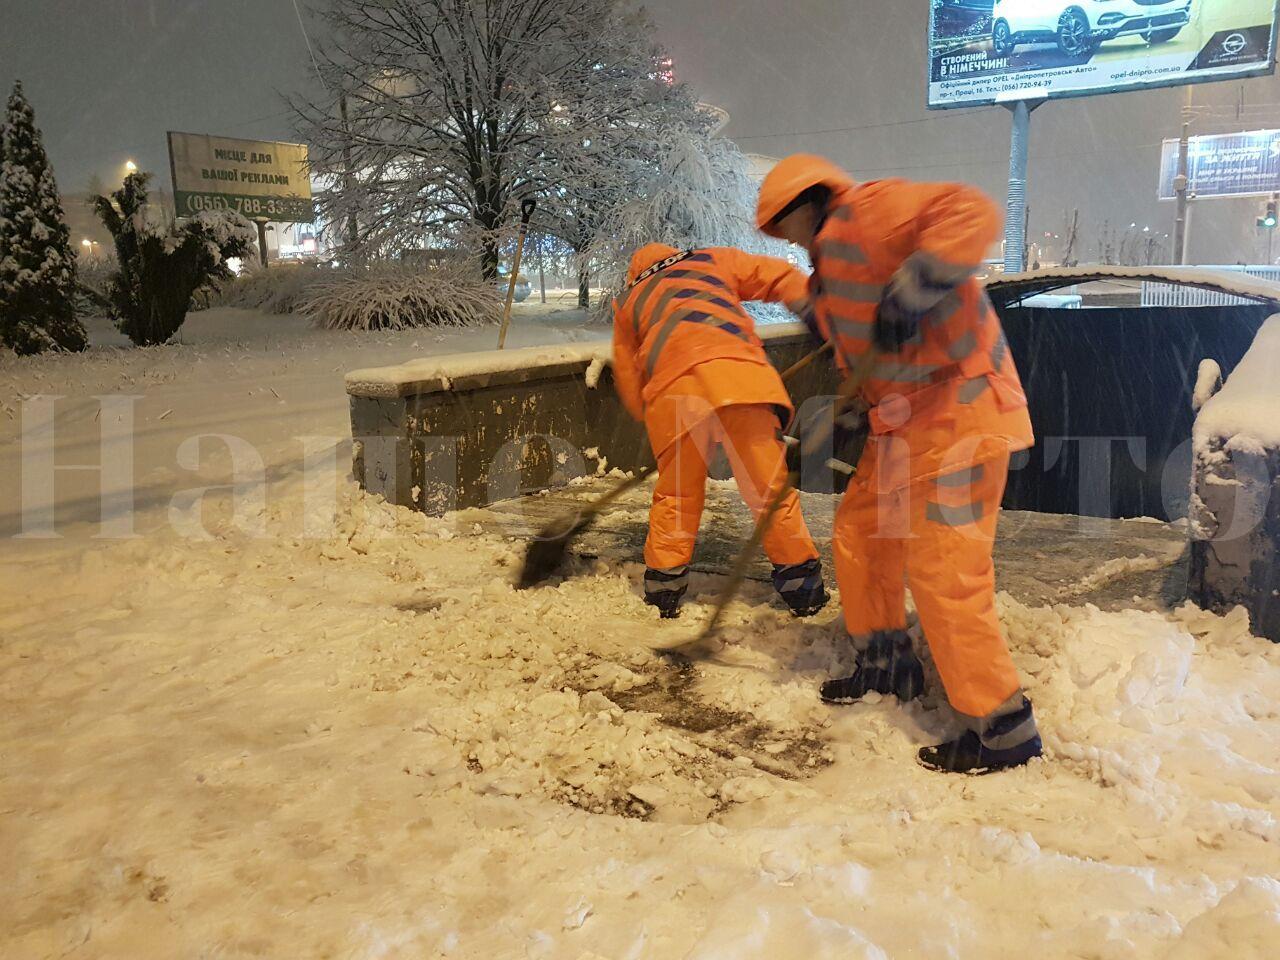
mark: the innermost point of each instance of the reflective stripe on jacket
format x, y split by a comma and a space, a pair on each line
691, 313
953, 392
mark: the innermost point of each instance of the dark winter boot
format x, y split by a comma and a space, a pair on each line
665, 589
887, 666
1009, 740
800, 586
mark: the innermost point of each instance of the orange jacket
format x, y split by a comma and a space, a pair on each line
953, 394
691, 314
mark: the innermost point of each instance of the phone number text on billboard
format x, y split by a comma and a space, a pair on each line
291, 209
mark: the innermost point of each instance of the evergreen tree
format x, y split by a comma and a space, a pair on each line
37, 269
161, 266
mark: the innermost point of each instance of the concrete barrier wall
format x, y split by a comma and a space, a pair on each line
1235, 515
473, 429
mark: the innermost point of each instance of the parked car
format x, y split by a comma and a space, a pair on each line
522, 286
1078, 26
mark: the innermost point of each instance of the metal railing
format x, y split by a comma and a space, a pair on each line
1177, 295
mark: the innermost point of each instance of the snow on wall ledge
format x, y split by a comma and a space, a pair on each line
1235, 504
1009, 287
491, 367
444, 434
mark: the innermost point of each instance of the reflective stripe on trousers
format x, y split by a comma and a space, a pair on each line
936, 536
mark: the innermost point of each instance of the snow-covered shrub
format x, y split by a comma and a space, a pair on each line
37, 268
93, 285
162, 266
394, 298
279, 289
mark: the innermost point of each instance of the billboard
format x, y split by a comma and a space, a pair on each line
1230, 165
262, 179
992, 51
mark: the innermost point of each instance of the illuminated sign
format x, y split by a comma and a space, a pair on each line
992, 51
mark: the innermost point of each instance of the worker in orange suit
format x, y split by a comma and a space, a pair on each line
688, 363
893, 273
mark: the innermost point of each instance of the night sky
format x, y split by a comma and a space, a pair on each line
841, 77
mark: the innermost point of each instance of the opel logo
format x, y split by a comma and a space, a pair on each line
1234, 43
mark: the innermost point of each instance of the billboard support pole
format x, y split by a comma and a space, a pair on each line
262, 243
1015, 224
1180, 184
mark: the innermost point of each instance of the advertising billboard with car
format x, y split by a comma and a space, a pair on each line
992, 51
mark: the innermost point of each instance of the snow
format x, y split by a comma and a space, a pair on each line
329, 727
1223, 281
438, 373
1208, 382
418, 375
1243, 412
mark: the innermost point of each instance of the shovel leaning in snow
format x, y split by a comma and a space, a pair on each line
527, 206
699, 646
547, 551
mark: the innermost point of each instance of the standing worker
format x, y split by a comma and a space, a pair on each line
688, 363
893, 272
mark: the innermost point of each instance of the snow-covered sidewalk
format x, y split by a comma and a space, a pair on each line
366, 744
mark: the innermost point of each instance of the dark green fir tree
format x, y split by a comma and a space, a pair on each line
37, 268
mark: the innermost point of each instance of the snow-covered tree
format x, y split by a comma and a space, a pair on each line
161, 265
607, 147
444, 114
37, 269
699, 194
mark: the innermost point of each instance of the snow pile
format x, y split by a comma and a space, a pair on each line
330, 727
1243, 413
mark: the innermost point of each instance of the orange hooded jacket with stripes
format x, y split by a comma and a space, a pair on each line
953, 393
691, 313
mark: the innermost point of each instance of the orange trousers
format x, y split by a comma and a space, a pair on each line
749, 434
935, 536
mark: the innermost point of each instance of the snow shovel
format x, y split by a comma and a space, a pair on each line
547, 551
527, 207
698, 647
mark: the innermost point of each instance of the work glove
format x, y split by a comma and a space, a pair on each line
808, 314
848, 438
917, 287
897, 320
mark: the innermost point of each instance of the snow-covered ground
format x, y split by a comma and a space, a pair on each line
327, 727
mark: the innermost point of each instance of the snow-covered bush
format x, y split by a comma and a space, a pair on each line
37, 268
394, 298
279, 289
162, 266
93, 285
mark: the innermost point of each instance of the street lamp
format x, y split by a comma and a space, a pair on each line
130, 166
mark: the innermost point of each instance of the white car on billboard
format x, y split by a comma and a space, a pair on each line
1078, 26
